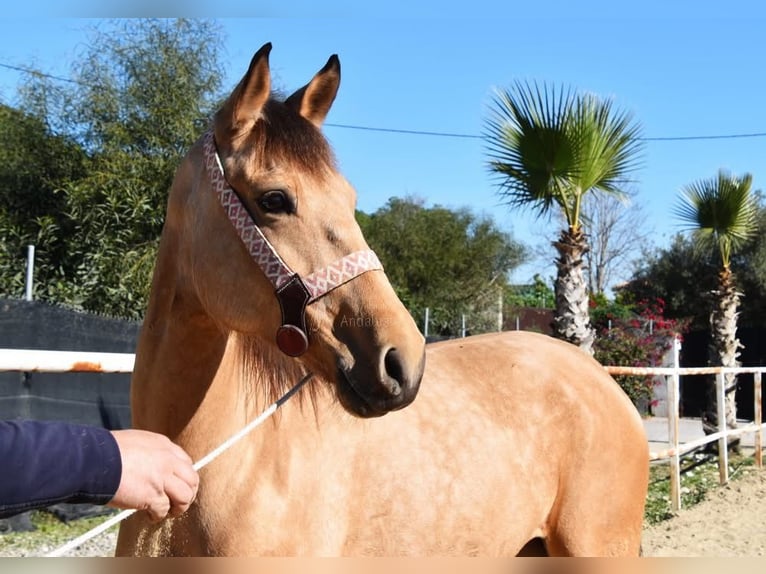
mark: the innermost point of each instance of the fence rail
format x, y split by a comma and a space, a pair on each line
676, 448
25, 360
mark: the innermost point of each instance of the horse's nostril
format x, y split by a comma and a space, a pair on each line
395, 371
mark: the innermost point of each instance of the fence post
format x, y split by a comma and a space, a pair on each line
425, 324
499, 310
758, 410
30, 272
723, 446
674, 385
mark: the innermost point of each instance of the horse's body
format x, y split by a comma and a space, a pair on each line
512, 437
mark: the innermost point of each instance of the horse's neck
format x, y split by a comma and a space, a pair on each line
189, 372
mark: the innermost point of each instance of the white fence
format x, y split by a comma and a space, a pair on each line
65, 361
676, 448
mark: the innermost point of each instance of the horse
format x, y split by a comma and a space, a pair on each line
491, 445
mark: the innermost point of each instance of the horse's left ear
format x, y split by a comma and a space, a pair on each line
313, 101
243, 107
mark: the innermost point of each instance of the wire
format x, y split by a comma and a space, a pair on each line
476, 136
40, 74
431, 133
409, 132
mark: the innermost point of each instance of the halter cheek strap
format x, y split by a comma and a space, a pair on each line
293, 292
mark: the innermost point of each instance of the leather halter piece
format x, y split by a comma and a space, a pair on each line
293, 292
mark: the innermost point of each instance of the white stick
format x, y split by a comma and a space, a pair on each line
205, 460
92, 533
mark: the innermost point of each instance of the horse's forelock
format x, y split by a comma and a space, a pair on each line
282, 135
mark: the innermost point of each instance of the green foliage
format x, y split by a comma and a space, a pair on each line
550, 146
34, 163
676, 276
699, 476
143, 92
451, 261
684, 280
538, 294
721, 213
749, 267
636, 335
603, 311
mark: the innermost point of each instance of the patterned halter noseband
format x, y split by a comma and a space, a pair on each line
293, 292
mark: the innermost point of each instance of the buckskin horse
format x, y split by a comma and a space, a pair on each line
516, 442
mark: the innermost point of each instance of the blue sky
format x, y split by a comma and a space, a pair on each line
680, 74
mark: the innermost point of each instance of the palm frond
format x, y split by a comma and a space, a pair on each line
528, 144
549, 146
721, 212
609, 143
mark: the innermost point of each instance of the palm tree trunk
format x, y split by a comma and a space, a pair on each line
572, 319
724, 348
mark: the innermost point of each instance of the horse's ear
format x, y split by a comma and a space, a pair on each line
243, 107
313, 101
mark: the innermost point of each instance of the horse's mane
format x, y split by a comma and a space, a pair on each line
268, 374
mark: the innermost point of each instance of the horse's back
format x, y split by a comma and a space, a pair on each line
514, 363
531, 384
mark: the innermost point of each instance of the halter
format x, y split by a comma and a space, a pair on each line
293, 292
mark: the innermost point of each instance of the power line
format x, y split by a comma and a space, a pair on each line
409, 132
476, 136
39, 73
708, 137
426, 132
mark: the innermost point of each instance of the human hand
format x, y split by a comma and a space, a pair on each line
157, 475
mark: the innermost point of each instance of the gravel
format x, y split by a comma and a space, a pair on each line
39, 544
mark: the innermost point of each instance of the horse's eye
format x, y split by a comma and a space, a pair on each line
275, 202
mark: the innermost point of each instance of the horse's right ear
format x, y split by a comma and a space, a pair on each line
243, 107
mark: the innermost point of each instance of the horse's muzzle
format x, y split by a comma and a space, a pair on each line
392, 385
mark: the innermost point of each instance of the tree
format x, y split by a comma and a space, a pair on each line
721, 214
141, 94
674, 275
685, 281
614, 228
34, 163
550, 148
451, 261
538, 294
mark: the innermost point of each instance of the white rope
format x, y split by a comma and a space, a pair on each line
205, 460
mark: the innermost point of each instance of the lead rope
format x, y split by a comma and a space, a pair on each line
205, 460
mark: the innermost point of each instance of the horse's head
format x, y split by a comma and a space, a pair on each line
284, 260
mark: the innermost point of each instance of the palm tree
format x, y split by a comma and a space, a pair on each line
721, 212
550, 147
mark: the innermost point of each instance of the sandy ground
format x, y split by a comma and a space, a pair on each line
730, 522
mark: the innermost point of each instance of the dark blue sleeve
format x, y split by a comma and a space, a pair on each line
43, 463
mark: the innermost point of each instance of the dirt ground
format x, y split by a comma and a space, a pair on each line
730, 522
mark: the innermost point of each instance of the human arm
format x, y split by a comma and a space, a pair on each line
43, 463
